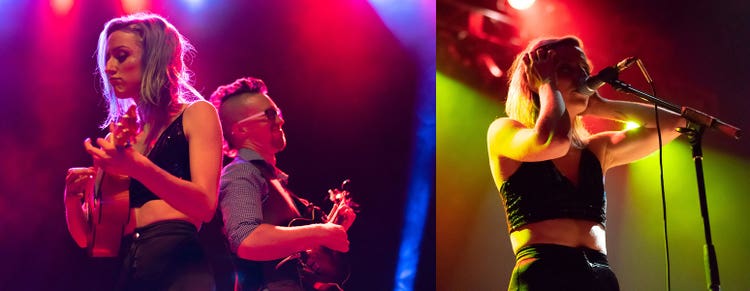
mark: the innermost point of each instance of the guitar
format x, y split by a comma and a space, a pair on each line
106, 202
321, 268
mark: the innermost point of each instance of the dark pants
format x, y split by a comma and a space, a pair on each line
263, 276
166, 255
543, 267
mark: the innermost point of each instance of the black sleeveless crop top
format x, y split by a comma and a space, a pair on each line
538, 191
169, 153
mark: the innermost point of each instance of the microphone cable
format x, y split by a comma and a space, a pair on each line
661, 170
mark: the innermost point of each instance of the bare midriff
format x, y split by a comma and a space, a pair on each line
155, 211
560, 231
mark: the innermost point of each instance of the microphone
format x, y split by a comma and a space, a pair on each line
605, 75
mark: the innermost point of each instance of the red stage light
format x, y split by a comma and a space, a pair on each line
520, 4
491, 65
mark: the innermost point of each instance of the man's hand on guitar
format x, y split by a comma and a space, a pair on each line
333, 236
344, 209
113, 160
346, 216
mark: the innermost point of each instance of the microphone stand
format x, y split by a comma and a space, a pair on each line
697, 123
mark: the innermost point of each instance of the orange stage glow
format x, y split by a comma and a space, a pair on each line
61, 7
133, 6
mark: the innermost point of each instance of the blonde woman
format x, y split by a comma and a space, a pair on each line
550, 171
174, 164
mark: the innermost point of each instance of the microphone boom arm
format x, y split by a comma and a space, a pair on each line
692, 115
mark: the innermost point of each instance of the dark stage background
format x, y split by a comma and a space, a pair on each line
348, 87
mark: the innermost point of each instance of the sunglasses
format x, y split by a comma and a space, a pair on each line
270, 114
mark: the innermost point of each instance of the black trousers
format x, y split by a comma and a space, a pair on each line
543, 267
166, 255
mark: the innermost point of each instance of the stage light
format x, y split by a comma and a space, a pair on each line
520, 4
194, 4
631, 125
491, 65
61, 7
133, 6
399, 17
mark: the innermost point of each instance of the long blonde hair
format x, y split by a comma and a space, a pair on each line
165, 83
522, 103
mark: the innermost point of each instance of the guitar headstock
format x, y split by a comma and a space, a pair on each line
125, 129
341, 196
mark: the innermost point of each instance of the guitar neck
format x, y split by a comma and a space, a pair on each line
333, 217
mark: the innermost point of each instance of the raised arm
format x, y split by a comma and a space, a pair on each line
548, 138
626, 146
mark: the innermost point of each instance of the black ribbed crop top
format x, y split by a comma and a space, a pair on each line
538, 191
169, 153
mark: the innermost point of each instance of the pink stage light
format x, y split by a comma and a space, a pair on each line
133, 6
61, 7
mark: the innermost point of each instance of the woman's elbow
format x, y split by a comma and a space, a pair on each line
556, 146
208, 212
80, 241
208, 206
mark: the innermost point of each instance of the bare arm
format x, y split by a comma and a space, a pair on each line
548, 138
270, 242
243, 189
623, 147
196, 198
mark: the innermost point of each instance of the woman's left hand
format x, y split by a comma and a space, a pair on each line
113, 160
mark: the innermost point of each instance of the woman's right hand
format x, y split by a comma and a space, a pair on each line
541, 67
78, 180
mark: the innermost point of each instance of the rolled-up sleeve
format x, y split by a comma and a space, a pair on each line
241, 194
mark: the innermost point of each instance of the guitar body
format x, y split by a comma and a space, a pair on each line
107, 201
321, 268
321, 265
108, 209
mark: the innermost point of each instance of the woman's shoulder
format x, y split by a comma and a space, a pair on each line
503, 123
199, 114
198, 110
503, 128
199, 105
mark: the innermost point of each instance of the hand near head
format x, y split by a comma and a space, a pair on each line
541, 67
113, 160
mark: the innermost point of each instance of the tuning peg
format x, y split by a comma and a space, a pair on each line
344, 184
